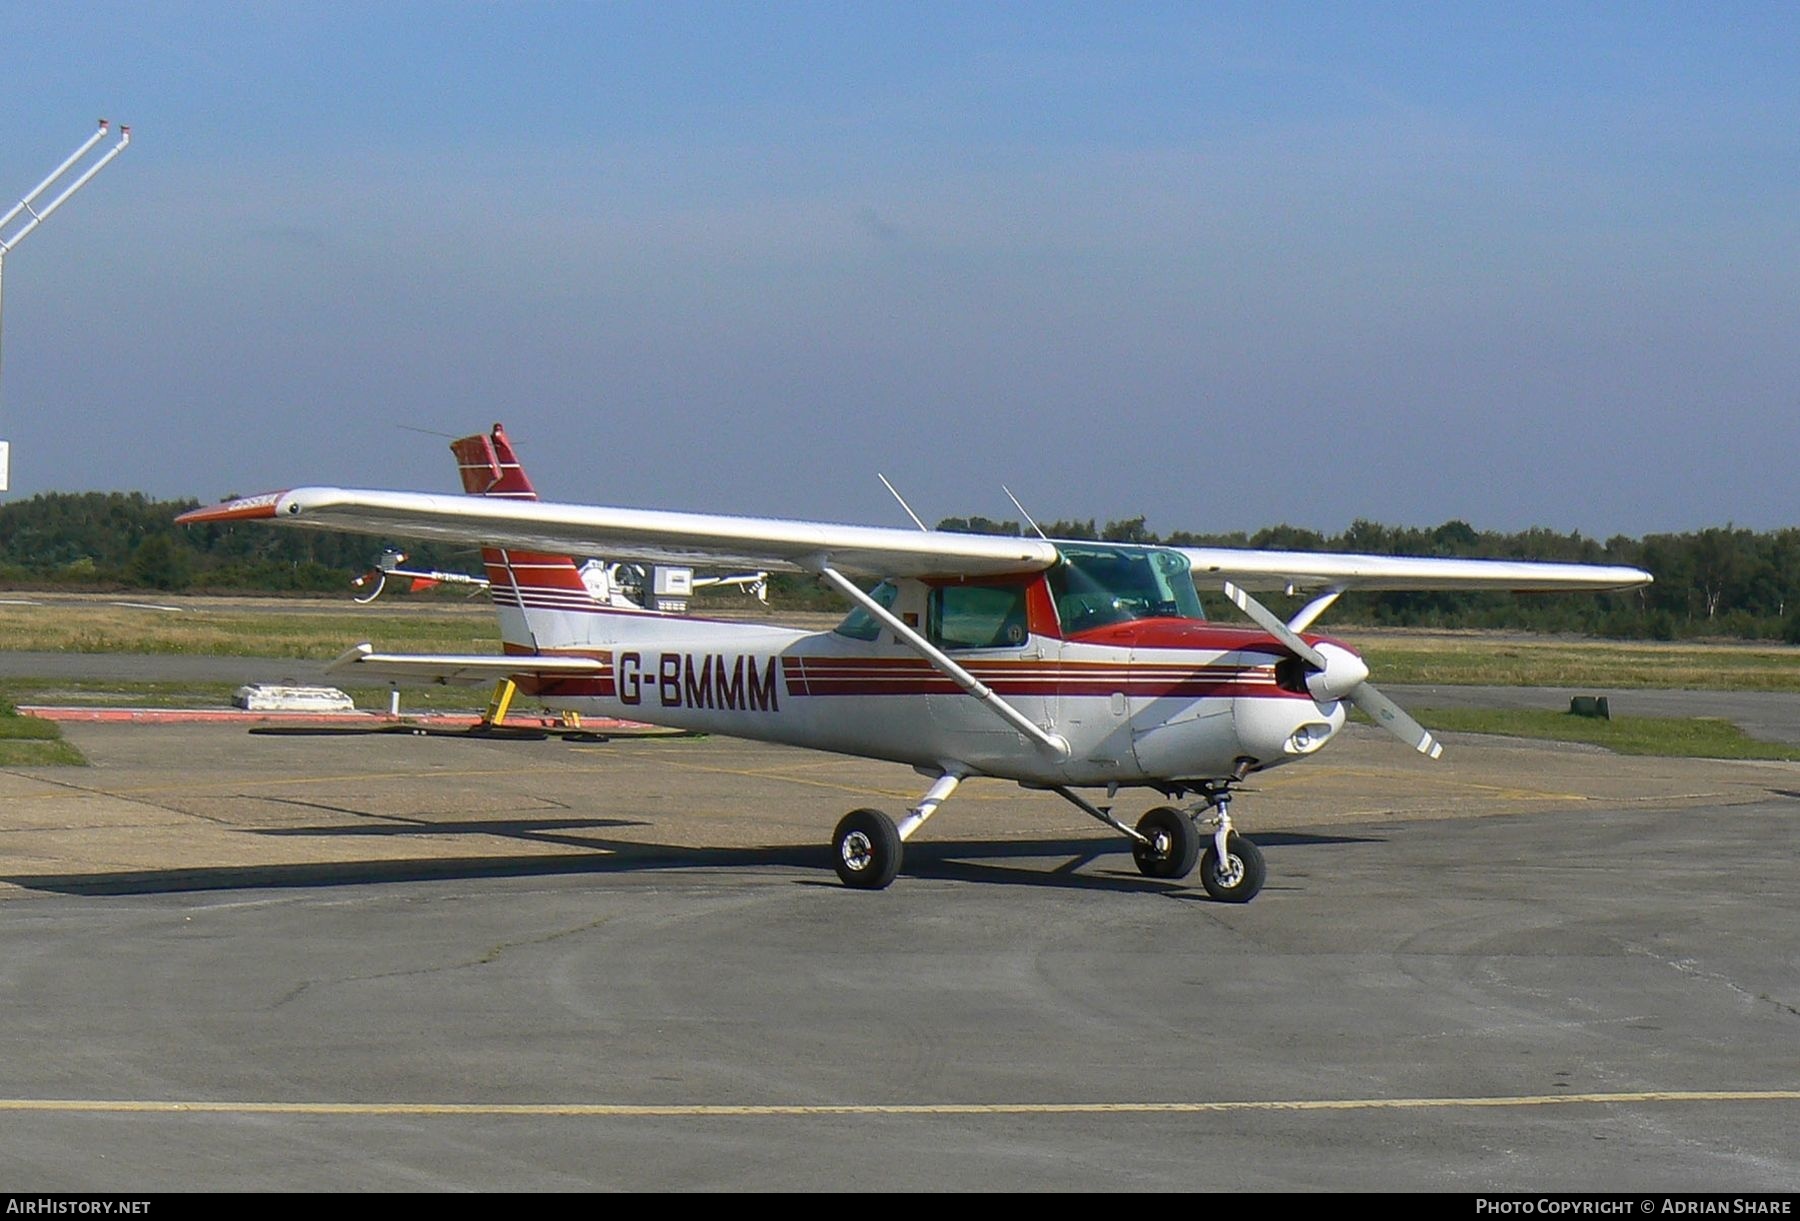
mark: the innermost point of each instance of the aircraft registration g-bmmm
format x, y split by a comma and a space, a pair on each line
1060, 665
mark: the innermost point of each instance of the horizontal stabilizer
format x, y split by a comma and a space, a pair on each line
453, 669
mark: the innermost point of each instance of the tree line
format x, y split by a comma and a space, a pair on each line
1721, 581
125, 540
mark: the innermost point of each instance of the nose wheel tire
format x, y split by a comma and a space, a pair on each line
865, 850
1174, 844
1239, 876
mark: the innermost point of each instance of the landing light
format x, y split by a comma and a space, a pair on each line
1307, 739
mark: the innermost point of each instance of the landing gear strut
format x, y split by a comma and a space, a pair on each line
867, 846
1232, 868
1166, 843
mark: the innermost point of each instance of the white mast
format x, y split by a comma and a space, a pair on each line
29, 207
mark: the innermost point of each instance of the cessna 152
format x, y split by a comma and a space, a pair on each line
1059, 665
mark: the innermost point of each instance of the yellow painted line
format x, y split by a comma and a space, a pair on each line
1441, 782
796, 1110
234, 786
786, 768
859, 790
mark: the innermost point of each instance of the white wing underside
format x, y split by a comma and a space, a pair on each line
658, 537
1312, 570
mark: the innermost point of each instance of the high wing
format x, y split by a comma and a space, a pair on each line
661, 537
1294, 571
642, 535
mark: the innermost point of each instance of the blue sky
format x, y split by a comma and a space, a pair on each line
1224, 265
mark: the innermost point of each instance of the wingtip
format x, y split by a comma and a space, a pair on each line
244, 508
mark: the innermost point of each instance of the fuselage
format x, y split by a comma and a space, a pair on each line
1142, 690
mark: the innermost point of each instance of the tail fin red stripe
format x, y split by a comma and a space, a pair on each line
535, 584
531, 570
489, 467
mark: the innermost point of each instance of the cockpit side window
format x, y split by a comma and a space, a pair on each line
859, 624
978, 617
1097, 586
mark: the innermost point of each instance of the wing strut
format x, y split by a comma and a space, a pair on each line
1055, 743
1312, 610
518, 596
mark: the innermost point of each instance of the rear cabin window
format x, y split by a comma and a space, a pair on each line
978, 617
859, 624
1097, 586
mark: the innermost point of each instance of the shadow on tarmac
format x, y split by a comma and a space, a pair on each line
985, 861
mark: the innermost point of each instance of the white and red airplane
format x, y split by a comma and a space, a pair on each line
1060, 665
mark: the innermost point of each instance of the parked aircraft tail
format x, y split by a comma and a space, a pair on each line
540, 596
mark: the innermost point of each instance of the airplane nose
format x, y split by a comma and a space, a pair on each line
1344, 671
1273, 731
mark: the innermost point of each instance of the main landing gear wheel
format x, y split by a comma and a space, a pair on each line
865, 849
1174, 844
1240, 876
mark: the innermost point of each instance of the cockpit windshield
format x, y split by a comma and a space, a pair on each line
1096, 586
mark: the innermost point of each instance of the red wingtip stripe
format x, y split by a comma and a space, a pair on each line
245, 508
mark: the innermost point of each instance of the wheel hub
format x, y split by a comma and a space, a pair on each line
1230, 871
857, 851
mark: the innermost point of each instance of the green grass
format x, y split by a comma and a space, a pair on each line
1514, 662
238, 627
1678, 737
26, 741
107, 693
307, 637
320, 629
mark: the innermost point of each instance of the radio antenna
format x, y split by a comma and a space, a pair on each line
1027, 516
897, 496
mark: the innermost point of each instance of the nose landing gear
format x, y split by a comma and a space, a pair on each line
1167, 842
1232, 868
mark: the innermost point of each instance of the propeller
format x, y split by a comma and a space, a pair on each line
1339, 674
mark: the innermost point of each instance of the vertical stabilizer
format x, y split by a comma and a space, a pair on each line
540, 596
489, 467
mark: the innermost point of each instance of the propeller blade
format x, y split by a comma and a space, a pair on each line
1393, 718
1384, 711
1271, 623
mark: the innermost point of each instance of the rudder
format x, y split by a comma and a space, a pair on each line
527, 587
